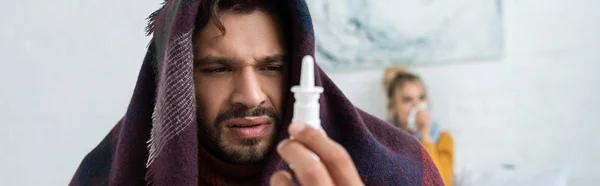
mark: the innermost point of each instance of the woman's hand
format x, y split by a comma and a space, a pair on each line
423, 121
335, 167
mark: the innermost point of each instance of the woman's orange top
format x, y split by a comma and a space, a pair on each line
442, 154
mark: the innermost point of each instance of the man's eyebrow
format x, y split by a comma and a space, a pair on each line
208, 60
278, 58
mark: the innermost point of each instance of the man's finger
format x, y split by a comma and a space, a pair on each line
308, 170
335, 158
281, 178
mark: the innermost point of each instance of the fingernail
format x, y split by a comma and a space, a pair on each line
297, 127
281, 144
314, 156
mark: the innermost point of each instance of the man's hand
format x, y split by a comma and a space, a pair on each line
335, 166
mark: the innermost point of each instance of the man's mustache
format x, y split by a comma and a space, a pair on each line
242, 112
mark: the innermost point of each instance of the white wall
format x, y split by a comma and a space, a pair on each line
537, 107
68, 71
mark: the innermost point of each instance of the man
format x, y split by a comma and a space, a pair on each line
212, 106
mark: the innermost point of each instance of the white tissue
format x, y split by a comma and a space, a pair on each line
412, 115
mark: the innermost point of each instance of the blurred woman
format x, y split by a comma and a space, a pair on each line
407, 105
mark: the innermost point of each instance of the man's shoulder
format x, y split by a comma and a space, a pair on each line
95, 167
391, 139
392, 156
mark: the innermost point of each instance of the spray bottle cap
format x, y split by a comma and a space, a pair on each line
307, 77
306, 106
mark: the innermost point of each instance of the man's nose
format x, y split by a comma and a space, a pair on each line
248, 89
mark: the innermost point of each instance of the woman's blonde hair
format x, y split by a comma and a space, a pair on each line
394, 78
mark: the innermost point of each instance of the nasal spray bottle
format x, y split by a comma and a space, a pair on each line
306, 106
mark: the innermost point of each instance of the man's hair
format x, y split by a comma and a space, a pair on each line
211, 10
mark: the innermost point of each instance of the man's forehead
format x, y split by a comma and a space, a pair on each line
238, 22
249, 38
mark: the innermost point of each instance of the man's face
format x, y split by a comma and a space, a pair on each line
239, 80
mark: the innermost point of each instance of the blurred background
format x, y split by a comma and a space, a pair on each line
514, 81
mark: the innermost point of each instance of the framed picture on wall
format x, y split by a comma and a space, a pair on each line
358, 34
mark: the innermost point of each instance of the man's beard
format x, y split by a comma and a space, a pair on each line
250, 151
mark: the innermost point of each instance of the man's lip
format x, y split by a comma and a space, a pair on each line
255, 131
247, 121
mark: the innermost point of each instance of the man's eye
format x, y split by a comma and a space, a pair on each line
216, 70
272, 68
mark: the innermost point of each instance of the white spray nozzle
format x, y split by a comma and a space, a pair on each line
307, 75
306, 106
